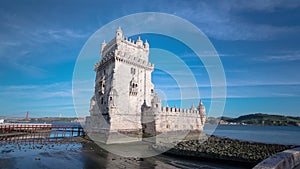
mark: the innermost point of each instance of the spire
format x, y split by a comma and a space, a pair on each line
146, 44
201, 107
103, 45
193, 107
139, 42
119, 29
119, 33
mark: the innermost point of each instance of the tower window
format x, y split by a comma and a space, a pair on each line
102, 100
132, 71
110, 98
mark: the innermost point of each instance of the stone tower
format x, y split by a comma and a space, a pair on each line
124, 103
123, 84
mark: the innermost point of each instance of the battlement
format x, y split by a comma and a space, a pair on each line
131, 60
138, 44
119, 43
125, 50
174, 110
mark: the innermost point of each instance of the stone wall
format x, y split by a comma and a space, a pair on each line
157, 119
283, 160
174, 119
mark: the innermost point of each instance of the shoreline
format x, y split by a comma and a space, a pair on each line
221, 150
225, 150
93, 155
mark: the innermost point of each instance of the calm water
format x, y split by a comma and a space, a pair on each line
288, 135
76, 155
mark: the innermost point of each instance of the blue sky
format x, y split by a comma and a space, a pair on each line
258, 43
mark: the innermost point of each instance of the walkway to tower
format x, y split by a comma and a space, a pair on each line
29, 132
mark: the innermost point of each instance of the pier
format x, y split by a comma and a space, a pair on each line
35, 131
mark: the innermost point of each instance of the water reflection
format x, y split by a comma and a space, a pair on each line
42, 136
42, 150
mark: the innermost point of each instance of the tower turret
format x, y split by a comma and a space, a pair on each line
155, 102
146, 45
139, 42
202, 111
193, 107
103, 44
119, 34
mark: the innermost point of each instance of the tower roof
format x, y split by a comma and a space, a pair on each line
139, 42
193, 107
119, 29
146, 44
200, 103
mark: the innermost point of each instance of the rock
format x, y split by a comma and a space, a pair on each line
228, 149
37, 158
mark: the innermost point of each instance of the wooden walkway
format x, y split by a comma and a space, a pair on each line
31, 131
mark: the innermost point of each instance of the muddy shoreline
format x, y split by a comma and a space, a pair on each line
221, 150
80, 152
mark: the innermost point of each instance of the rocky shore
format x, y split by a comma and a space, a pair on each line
79, 152
225, 149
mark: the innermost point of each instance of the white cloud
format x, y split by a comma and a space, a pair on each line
286, 56
266, 5
222, 19
54, 90
42, 100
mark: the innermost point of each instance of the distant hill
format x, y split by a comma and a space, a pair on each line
258, 119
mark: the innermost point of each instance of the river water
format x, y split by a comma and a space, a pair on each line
75, 155
288, 135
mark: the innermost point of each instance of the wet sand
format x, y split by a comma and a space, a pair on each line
83, 154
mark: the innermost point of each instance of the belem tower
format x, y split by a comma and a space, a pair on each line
124, 101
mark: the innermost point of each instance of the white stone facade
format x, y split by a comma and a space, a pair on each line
123, 91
